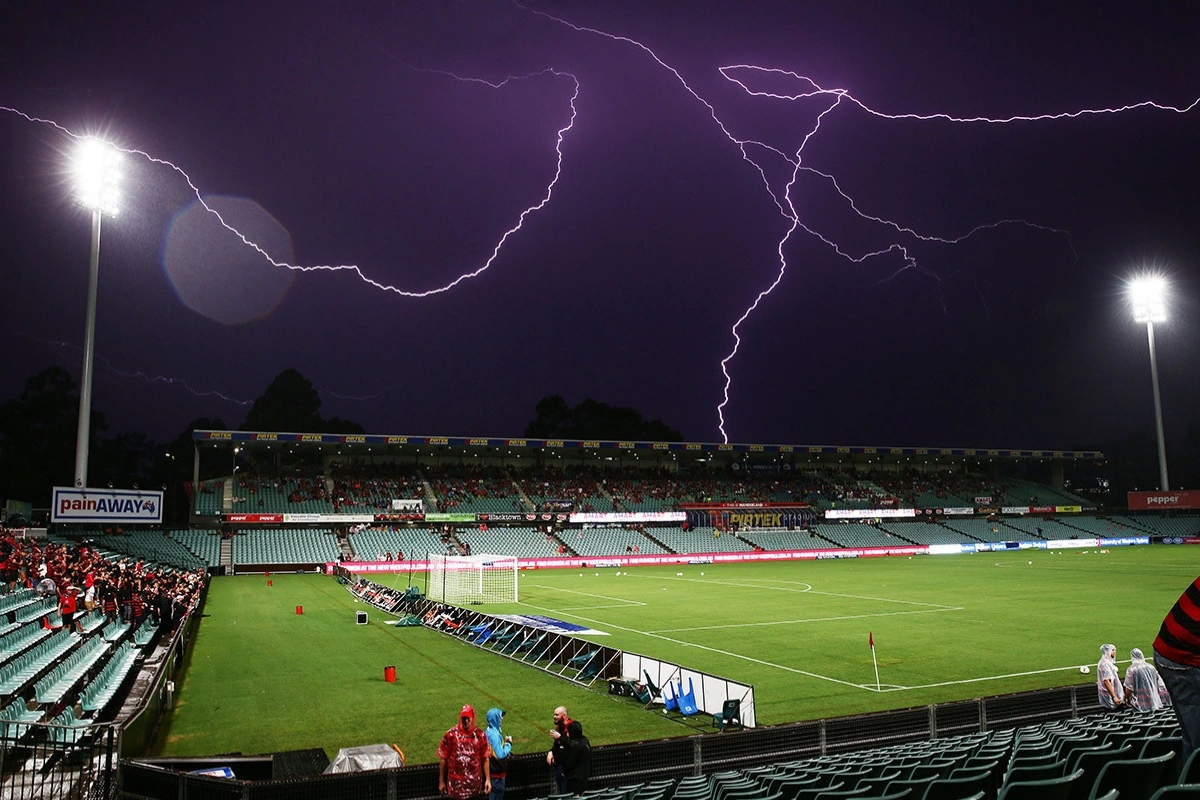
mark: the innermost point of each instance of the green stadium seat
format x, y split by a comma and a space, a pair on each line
1091, 762
1172, 745
1134, 779
730, 714
955, 788
1181, 791
1036, 771
1049, 789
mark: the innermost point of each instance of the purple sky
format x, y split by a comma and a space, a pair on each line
334, 134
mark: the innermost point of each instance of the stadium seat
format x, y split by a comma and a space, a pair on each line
1166, 744
1035, 772
730, 714
670, 699
1190, 774
965, 786
1134, 779
655, 692
1091, 762
1178, 792
1050, 789
587, 664
917, 785
687, 702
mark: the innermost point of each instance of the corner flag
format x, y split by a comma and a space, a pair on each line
871, 644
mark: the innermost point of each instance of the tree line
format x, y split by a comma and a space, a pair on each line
38, 430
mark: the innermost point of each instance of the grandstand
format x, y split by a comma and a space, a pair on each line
698, 540
374, 543
857, 535
612, 541
285, 546
342, 508
509, 541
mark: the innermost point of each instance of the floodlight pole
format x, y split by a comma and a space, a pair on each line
1158, 421
84, 430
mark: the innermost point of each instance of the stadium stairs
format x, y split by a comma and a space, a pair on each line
657, 541
521, 494
226, 556
431, 499
567, 549
344, 547
896, 535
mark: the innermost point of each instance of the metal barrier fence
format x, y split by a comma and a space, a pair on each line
53, 761
640, 762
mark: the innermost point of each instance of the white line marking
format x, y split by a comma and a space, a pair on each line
621, 601
805, 621
599, 624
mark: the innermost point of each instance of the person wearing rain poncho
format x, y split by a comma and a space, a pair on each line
1108, 680
1143, 685
499, 749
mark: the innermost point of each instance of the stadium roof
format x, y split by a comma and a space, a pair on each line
483, 443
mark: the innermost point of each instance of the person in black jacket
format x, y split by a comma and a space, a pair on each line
578, 766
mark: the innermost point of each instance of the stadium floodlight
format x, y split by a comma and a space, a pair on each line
1148, 296
95, 167
1149, 299
473, 579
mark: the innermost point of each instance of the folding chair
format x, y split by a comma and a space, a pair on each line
670, 701
655, 692
730, 714
687, 702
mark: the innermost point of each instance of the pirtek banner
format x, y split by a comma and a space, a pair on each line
1184, 498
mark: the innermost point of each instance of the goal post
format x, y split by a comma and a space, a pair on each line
473, 579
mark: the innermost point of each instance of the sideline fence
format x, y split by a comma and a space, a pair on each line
641, 762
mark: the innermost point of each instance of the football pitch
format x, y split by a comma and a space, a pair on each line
262, 678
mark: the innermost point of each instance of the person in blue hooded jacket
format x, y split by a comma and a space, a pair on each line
499, 749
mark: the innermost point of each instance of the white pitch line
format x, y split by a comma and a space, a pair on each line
621, 601
805, 621
809, 590
605, 624
975, 680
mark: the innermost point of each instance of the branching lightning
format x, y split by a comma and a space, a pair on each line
785, 205
759, 155
142, 376
354, 268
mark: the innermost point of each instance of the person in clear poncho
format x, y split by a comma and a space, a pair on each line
1144, 687
1108, 680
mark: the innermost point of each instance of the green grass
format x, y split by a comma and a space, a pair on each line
263, 679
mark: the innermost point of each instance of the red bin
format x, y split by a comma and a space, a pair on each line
389, 674
299, 609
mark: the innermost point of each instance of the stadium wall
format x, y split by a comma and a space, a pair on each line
642, 762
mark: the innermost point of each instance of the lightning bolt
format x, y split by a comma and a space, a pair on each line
139, 374
354, 268
146, 377
758, 155
810, 90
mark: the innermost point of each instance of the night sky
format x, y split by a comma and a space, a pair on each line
338, 134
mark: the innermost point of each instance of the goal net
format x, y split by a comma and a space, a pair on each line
479, 578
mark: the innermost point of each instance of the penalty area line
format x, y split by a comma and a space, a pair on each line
601, 624
618, 602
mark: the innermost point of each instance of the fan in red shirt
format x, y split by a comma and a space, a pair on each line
463, 769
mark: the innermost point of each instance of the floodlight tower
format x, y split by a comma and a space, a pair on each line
1149, 299
94, 166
